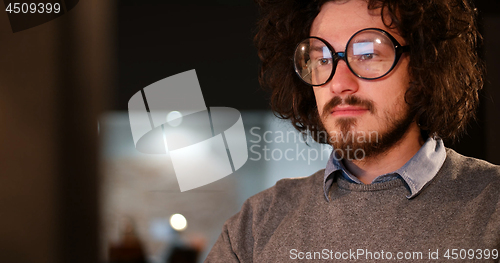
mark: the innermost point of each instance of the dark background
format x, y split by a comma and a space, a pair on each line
156, 40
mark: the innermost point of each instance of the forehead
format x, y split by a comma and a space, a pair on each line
338, 21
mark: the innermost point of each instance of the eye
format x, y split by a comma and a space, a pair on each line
324, 61
364, 57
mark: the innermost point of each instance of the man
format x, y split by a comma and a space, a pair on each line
386, 82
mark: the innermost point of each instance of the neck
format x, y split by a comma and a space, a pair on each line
369, 168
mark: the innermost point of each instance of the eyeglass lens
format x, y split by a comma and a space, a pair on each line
369, 54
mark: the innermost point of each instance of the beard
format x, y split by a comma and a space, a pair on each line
350, 144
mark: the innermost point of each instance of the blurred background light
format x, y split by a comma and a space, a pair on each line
174, 118
178, 222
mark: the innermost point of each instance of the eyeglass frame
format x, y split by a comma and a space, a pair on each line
398, 49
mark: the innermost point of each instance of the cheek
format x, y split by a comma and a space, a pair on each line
386, 100
394, 103
390, 94
322, 98
393, 87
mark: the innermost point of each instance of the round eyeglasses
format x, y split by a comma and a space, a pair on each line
370, 53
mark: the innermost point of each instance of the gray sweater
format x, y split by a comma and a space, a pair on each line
457, 215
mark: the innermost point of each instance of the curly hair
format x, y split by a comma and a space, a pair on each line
445, 70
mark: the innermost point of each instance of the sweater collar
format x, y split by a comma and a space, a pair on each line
416, 173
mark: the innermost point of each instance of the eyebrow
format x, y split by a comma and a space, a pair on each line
318, 48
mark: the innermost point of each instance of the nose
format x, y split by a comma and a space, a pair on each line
343, 82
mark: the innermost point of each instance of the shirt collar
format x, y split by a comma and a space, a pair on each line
416, 173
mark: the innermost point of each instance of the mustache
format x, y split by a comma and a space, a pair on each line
349, 100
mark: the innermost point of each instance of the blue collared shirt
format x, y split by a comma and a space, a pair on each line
416, 173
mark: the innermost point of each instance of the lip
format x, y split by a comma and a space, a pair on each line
348, 111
